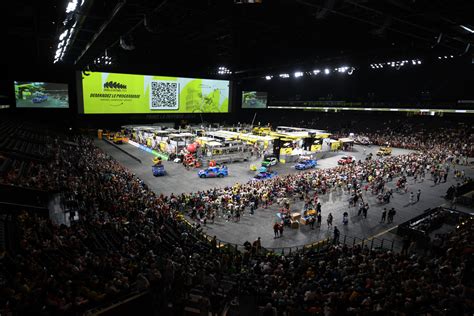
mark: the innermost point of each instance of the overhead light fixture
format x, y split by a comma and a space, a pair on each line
298, 74
71, 6
342, 69
284, 76
327, 71
268, 77
316, 71
65, 36
222, 70
467, 29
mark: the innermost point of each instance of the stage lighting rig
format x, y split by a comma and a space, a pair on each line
104, 60
298, 74
69, 27
222, 70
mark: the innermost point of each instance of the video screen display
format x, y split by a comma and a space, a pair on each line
41, 95
254, 100
6, 94
113, 93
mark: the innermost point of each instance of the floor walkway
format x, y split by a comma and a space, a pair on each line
260, 225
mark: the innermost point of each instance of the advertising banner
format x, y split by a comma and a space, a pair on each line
112, 93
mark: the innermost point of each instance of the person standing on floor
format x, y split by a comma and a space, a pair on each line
276, 229
384, 215
319, 219
329, 220
412, 197
361, 208
365, 208
418, 194
281, 230
453, 202
391, 214
336, 235
311, 222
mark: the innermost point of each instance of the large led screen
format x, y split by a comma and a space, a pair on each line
41, 95
113, 93
254, 100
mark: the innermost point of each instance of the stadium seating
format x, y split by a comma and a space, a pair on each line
128, 239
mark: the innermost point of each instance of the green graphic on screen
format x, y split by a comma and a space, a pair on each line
111, 93
41, 95
254, 100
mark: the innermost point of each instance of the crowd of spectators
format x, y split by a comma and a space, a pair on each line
371, 175
356, 281
129, 238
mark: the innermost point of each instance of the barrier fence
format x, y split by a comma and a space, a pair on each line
371, 243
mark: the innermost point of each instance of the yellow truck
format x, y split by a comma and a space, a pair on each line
384, 151
118, 138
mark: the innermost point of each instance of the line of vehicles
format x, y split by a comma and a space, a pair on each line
265, 172
262, 173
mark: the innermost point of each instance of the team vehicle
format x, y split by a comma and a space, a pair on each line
158, 170
264, 175
362, 140
306, 164
345, 160
39, 98
213, 172
269, 161
384, 151
118, 138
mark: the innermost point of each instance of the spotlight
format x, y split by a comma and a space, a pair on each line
222, 70
342, 69
467, 29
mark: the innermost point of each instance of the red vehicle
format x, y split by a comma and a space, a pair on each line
345, 160
191, 161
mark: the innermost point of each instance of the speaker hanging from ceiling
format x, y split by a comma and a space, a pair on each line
126, 42
147, 23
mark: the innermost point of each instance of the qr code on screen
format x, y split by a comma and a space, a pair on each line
164, 95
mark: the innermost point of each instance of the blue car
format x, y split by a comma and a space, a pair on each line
40, 98
264, 175
213, 172
158, 170
306, 164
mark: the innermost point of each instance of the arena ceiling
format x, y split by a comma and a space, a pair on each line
178, 36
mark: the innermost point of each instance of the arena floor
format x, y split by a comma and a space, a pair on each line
179, 180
